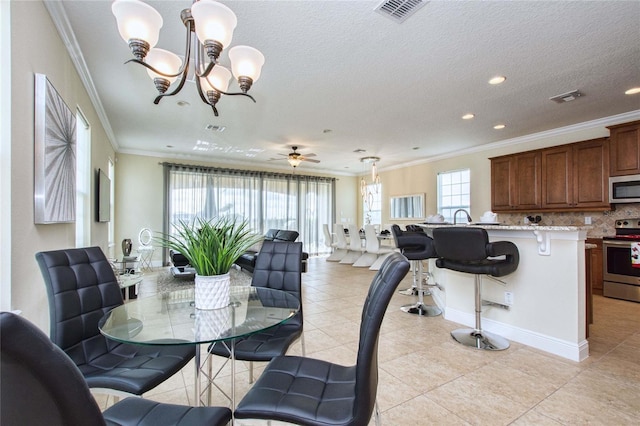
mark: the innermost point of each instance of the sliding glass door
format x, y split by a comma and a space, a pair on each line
266, 200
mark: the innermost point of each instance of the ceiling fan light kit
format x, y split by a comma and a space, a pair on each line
213, 24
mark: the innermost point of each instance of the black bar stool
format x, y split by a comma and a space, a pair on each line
469, 250
416, 247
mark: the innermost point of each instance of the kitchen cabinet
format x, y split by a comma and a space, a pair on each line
515, 182
576, 176
625, 149
569, 177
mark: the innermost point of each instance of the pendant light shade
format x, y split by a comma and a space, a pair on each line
246, 62
164, 61
137, 21
214, 21
218, 79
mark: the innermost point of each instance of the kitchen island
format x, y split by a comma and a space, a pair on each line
547, 309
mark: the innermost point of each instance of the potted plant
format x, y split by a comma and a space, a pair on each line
211, 247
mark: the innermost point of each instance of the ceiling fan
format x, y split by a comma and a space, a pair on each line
295, 158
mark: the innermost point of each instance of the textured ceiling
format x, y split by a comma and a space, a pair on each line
397, 91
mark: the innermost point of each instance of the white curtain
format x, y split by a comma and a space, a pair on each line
266, 200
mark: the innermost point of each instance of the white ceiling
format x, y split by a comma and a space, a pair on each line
397, 91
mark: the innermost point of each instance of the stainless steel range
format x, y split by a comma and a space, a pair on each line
621, 278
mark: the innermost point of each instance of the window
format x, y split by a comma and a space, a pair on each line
266, 200
454, 192
83, 181
372, 205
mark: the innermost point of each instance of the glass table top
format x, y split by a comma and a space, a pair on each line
171, 318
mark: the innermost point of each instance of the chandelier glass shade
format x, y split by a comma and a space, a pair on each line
294, 161
210, 27
367, 196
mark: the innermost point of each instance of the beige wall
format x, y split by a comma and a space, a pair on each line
422, 178
139, 188
37, 48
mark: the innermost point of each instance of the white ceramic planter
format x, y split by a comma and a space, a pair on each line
212, 292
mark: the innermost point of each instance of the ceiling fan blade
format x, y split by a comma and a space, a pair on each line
310, 155
276, 159
309, 160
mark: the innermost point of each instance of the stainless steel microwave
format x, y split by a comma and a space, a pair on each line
624, 189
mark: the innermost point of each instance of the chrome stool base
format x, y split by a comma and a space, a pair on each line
480, 339
422, 310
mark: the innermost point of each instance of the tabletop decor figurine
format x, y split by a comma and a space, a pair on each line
126, 247
211, 247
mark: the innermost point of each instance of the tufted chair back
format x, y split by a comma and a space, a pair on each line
278, 266
81, 288
383, 285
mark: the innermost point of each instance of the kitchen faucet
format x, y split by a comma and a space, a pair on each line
465, 212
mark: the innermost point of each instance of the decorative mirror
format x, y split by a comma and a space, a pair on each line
145, 236
407, 207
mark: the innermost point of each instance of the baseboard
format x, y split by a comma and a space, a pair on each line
569, 350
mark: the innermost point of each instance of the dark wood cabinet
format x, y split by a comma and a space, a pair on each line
569, 177
591, 174
625, 149
597, 269
515, 182
557, 177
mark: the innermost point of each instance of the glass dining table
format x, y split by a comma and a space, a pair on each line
171, 319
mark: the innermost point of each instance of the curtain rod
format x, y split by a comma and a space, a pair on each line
245, 172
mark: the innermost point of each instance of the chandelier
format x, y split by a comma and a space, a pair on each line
213, 24
367, 197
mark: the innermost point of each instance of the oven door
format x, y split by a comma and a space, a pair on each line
617, 262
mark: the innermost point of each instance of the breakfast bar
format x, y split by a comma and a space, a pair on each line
541, 304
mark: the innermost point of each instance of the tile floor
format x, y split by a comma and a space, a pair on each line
427, 378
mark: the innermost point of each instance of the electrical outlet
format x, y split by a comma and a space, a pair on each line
508, 298
587, 220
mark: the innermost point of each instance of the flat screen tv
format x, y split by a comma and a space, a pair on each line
103, 197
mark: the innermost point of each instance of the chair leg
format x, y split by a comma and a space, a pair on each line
376, 414
304, 350
250, 371
476, 337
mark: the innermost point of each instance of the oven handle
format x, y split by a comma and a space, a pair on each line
617, 243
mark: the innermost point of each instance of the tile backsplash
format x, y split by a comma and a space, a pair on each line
602, 222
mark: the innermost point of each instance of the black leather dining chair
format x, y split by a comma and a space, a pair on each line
40, 385
81, 289
278, 266
314, 392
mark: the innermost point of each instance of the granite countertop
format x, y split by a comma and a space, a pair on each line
513, 227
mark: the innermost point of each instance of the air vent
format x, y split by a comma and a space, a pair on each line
399, 10
215, 128
566, 97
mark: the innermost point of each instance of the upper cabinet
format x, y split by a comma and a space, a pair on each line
564, 178
625, 149
515, 182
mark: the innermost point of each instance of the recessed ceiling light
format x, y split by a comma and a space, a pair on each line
468, 116
415, 148
499, 126
497, 79
632, 91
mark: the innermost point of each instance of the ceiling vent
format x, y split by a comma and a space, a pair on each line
399, 10
566, 97
215, 128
